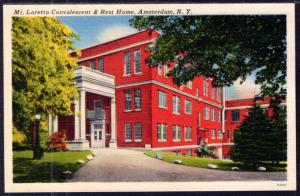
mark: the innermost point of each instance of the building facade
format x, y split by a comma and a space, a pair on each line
126, 103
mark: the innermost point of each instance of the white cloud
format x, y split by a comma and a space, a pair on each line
247, 89
114, 31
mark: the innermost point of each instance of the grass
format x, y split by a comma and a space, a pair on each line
49, 169
203, 162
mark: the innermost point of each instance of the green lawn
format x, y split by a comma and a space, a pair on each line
49, 168
203, 162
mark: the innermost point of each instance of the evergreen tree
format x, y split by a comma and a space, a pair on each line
42, 69
251, 145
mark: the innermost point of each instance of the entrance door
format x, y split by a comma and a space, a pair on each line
98, 135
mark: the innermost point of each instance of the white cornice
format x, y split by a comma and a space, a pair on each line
116, 50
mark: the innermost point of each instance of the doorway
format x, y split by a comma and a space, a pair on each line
97, 135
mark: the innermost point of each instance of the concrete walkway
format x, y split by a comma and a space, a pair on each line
122, 165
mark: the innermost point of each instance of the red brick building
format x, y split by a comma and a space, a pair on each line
125, 103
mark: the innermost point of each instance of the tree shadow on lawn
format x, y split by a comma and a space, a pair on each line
27, 170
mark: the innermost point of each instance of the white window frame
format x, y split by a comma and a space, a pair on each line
135, 98
213, 114
138, 51
176, 133
125, 65
219, 94
159, 70
176, 104
198, 119
205, 86
166, 70
187, 133
125, 93
162, 103
93, 63
129, 125
220, 134
206, 113
220, 115
213, 134
189, 85
101, 65
163, 131
185, 106
135, 132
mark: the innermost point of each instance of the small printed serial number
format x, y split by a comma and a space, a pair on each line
281, 184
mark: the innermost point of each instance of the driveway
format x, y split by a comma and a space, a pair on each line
123, 165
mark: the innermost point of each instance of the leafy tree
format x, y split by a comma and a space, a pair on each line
224, 48
259, 138
42, 69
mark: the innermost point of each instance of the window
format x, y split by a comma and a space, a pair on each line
137, 99
162, 99
161, 132
93, 65
219, 94
97, 104
228, 134
198, 119
220, 134
159, 70
137, 61
166, 70
214, 92
128, 100
176, 105
220, 115
213, 114
127, 63
205, 88
188, 107
213, 134
188, 133
189, 84
128, 133
189, 152
138, 132
197, 92
101, 65
176, 133
206, 113
235, 115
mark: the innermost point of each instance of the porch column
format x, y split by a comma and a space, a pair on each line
53, 123
113, 142
82, 115
76, 120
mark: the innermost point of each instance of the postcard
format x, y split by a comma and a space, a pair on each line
149, 97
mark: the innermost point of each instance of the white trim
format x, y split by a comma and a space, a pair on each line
169, 88
175, 147
250, 106
115, 50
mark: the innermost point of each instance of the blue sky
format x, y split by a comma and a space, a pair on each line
97, 29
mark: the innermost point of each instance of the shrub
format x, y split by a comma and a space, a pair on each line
57, 142
205, 151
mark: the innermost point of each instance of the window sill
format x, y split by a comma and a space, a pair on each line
128, 140
163, 107
127, 110
189, 113
161, 140
235, 121
125, 75
187, 140
137, 140
137, 110
176, 140
138, 73
176, 113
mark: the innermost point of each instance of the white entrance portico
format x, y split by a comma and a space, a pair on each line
91, 81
